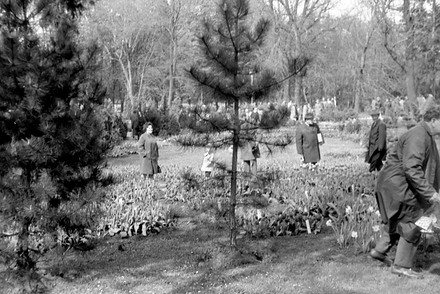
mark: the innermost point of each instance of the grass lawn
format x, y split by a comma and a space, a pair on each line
194, 257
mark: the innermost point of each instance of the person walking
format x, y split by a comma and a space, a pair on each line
308, 139
407, 186
149, 152
377, 143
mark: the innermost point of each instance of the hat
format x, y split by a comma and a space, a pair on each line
375, 112
308, 115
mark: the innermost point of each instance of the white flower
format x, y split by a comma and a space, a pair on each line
376, 228
370, 209
348, 210
354, 235
259, 214
329, 223
377, 212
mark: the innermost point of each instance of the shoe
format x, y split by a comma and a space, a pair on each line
381, 257
407, 272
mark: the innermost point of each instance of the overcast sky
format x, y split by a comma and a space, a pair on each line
344, 6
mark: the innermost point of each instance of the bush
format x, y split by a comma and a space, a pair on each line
337, 115
353, 126
122, 127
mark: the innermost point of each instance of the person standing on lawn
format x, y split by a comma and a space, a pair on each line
208, 160
249, 153
134, 118
308, 139
149, 152
407, 185
377, 143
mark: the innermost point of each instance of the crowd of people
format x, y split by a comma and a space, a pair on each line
400, 105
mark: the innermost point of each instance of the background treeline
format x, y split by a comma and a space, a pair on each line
385, 48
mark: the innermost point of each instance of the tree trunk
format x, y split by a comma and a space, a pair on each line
410, 83
409, 55
172, 70
297, 90
286, 90
233, 197
433, 38
297, 82
23, 259
357, 95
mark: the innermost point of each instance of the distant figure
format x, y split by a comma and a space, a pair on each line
387, 106
308, 139
377, 143
149, 152
208, 160
318, 108
255, 116
249, 154
134, 118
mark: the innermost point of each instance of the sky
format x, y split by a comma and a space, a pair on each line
344, 6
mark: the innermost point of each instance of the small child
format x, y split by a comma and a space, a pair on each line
208, 160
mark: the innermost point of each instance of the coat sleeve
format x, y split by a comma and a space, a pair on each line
299, 140
382, 140
141, 144
414, 153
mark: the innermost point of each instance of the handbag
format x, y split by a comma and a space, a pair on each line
159, 170
320, 139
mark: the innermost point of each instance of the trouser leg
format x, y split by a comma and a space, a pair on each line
246, 166
405, 253
387, 241
253, 167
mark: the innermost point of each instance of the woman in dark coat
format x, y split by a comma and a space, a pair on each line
406, 187
149, 152
308, 139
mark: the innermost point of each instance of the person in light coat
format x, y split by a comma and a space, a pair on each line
149, 152
208, 160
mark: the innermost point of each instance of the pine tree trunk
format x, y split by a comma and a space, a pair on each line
233, 197
23, 259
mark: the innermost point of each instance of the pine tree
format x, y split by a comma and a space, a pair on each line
230, 72
51, 133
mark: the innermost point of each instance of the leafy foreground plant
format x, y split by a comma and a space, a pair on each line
131, 207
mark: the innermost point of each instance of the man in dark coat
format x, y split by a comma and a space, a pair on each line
406, 186
377, 147
134, 117
308, 139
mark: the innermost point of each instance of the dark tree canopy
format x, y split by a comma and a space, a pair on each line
51, 133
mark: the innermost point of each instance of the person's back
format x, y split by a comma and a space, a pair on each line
411, 139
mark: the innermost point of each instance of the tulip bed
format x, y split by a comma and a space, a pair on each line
288, 200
